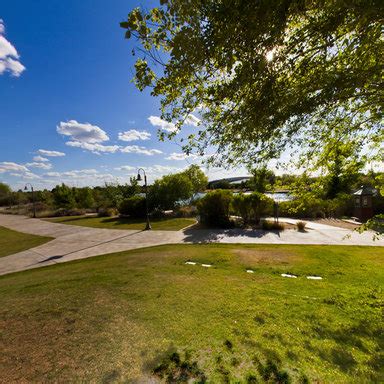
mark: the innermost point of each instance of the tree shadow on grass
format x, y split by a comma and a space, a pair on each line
347, 339
193, 235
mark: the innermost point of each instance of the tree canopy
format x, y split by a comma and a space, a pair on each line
262, 75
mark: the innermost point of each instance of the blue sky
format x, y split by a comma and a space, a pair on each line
69, 111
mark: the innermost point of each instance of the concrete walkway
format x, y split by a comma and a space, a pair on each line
75, 242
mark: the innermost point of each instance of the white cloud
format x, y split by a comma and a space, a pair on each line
82, 132
153, 172
162, 169
17, 170
140, 150
133, 135
48, 153
181, 156
9, 58
192, 120
94, 147
7, 166
40, 159
126, 168
164, 125
26, 175
39, 165
80, 177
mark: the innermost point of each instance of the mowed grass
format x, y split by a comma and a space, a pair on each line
117, 317
13, 242
172, 224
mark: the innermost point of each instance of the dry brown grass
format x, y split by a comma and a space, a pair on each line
253, 257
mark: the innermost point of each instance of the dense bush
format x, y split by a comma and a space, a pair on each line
186, 211
5, 194
241, 207
133, 207
311, 206
213, 208
252, 207
69, 212
269, 225
168, 191
107, 212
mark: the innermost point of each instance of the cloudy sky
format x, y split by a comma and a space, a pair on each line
69, 111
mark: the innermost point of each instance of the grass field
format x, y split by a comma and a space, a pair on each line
140, 315
173, 224
13, 242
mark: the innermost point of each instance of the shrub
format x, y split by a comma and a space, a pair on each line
241, 207
167, 192
301, 226
272, 225
261, 205
186, 211
158, 214
133, 207
213, 208
107, 212
68, 212
252, 207
310, 205
341, 205
63, 196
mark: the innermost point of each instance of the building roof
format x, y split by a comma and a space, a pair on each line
365, 190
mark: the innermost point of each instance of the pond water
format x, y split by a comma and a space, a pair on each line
276, 196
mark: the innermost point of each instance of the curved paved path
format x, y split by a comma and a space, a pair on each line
74, 242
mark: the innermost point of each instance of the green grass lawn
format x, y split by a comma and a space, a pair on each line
138, 315
13, 242
172, 224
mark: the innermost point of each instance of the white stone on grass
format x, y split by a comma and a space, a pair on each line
190, 263
288, 275
249, 271
314, 278
206, 265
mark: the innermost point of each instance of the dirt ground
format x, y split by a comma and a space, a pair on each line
337, 223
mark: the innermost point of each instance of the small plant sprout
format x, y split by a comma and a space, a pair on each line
301, 226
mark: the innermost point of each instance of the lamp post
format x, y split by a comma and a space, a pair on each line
148, 226
33, 198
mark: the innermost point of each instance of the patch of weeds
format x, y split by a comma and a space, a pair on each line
291, 355
110, 377
259, 320
228, 344
301, 226
273, 336
251, 379
344, 359
235, 361
268, 225
338, 300
174, 369
270, 372
224, 373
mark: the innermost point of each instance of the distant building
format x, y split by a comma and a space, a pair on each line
363, 198
229, 181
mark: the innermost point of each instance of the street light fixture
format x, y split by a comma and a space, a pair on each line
33, 198
148, 226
